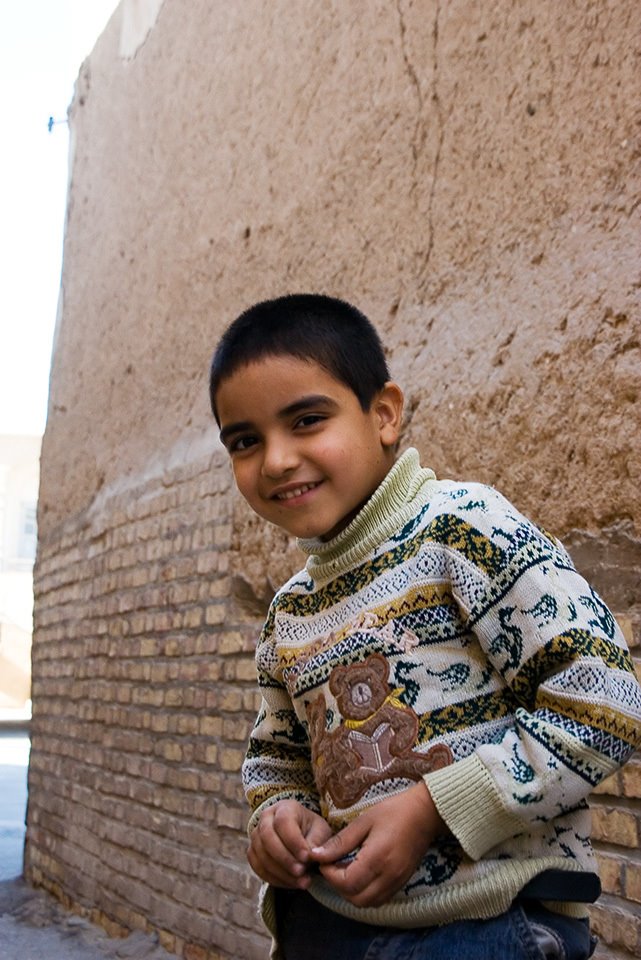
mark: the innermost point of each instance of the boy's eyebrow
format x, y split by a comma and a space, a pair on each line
307, 403
298, 406
233, 428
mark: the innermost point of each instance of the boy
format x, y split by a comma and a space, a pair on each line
441, 689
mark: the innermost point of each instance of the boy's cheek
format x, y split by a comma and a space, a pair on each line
249, 491
242, 478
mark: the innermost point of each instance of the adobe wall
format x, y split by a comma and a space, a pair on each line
467, 174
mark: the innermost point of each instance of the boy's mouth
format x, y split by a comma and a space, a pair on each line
294, 492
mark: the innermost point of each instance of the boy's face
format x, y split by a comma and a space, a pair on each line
305, 455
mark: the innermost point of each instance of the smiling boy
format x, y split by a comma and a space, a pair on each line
324, 455
441, 689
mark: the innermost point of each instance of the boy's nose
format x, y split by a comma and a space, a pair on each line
280, 458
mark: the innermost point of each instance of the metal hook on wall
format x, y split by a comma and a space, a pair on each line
51, 123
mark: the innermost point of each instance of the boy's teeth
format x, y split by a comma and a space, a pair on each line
290, 494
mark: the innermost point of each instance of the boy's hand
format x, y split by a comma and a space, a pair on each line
392, 837
280, 845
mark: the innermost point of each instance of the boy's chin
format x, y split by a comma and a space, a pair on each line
312, 531
316, 531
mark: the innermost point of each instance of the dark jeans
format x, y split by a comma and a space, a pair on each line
308, 931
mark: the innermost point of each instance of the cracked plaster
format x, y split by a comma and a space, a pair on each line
468, 174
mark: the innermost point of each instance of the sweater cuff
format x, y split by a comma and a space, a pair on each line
467, 799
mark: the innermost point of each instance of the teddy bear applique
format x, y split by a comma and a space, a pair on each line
375, 738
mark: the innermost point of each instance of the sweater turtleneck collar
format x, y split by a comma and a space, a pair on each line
391, 506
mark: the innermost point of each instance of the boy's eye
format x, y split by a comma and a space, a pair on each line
309, 420
238, 444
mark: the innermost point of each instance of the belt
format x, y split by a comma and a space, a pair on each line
562, 885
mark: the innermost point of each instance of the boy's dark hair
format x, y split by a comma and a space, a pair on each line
308, 326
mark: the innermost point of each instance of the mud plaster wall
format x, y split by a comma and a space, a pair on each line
468, 174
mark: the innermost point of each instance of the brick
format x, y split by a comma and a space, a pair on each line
230, 817
613, 825
611, 869
215, 614
232, 790
167, 940
625, 624
210, 726
148, 647
188, 780
617, 925
244, 914
159, 722
611, 786
252, 946
631, 778
174, 697
194, 952
231, 759
231, 642
192, 618
164, 621
237, 728
210, 782
207, 562
206, 643
169, 750
229, 699
188, 724
172, 647
633, 880
245, 669
218, 588
209, 670
159, 672
222, 535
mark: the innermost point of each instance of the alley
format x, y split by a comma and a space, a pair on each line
33, 925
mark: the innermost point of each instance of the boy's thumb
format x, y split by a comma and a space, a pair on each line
338, 848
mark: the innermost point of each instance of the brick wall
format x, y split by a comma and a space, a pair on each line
616, 832
144, 693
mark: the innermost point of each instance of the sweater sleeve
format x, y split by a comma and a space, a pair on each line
566, 667
277, 765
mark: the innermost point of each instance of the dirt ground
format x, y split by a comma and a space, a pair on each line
34, 926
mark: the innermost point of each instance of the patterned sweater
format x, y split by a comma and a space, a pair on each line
443, 636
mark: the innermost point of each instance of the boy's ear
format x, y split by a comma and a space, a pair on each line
388, 407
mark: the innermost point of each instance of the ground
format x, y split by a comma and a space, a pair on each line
34, 926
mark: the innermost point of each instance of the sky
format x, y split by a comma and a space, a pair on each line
42, 45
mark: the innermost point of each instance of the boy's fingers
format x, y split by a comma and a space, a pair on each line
280, 842
358, 880
319, 833
281, 835
340, 845
276, 875
273, 863
365, 880
332, 850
